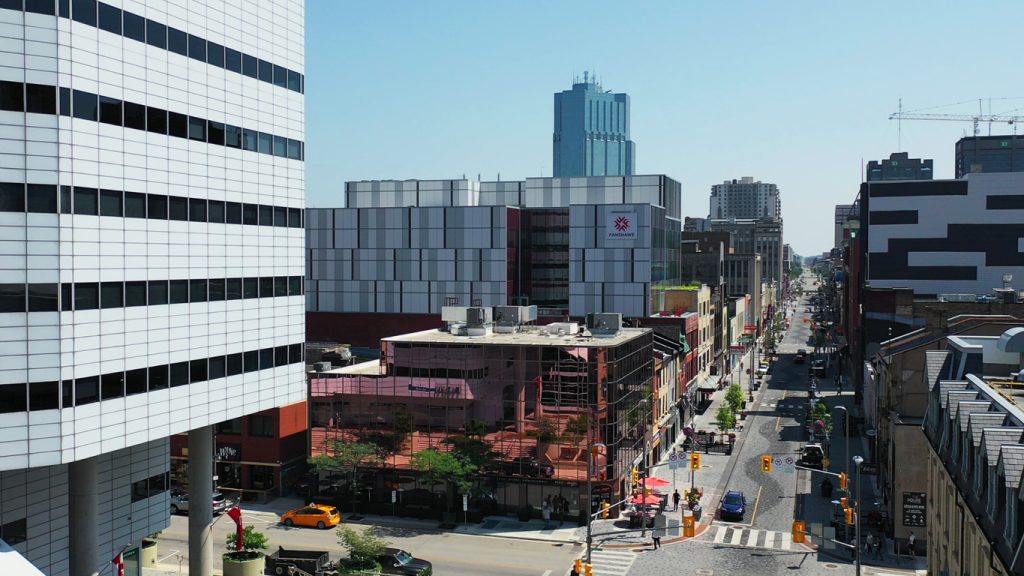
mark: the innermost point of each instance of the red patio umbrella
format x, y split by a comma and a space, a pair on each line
651, 500
654, 482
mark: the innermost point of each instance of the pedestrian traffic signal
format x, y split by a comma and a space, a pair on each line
695, 461
849, 516
577, 568
766, 463
636, 475
589, 570
605, 509
842, 480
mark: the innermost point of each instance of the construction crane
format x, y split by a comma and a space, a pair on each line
976, 119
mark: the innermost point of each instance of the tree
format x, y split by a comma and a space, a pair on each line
345, 458
547, 429
821, 412
252, 543
363, 547
576, 430
445, 468
725, 418
734, 397
475, 428
477, 451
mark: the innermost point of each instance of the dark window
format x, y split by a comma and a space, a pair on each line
110, 111
112, 295
197, 48
261, 425
252, 361
111, 203
84, 11
177, 41
156, 120
295, 286
216, 132
12, 197
65, 199
295, 353
42, 198
86, 201
197, 370
87, 390
87, 296
135, 382
67, 393
295, 218
281, 356
158, 379
67, 298
294, 150
63, 8
233, 288
134, 27
249, 66
197, 210
112, 385
40, 99
266, 143
266, 358
233, 426
14, 532
234, 364
280, 146
217, 367
42, 297
196, 129
179, 374
250, 288
44, 395
232, 136
249, 140
12, 297
135, 293
12, 96
64, 101
281, 286
134, 205
177, 125
266, 287
266, 71
40, 6
179, 291
197, 291
233, 60
84, 105
216, 211
134, 116
280, 76
250, 214
178, 208
159, 483
110, 18
216, 289
294, 83
140, 490
233, 213
158, 293
215, 54
280, 216
266, 215
156, 206
13, 398
156, 34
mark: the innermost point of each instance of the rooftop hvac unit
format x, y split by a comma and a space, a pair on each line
604, 324
562, 329
322, 366
476, 317
453, 314
508, 318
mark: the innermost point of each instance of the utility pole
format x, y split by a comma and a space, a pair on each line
857, 460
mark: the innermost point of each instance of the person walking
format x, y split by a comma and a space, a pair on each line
869, 543
675, 500
879, 543
545, 513
912, 544
656, 538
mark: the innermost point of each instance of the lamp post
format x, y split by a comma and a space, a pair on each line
846, 438
857, 460
590, 493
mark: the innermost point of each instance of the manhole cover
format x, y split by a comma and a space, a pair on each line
831, 566
704, 572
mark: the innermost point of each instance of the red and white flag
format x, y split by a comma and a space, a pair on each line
118, 563
236, 515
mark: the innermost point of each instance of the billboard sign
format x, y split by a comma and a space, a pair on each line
620, 225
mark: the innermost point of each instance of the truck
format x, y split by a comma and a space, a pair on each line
312, 562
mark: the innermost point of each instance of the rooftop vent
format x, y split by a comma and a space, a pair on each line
508, 319
604, 325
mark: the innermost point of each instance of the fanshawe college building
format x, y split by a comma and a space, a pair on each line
151, 247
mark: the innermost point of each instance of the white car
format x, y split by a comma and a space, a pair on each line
179, 502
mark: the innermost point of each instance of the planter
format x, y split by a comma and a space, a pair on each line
244, 564
147, 553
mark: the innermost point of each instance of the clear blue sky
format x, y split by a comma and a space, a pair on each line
796, 93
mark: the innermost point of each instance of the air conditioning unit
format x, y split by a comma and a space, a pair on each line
562, 329
322, 366
508, 318
476, 317
604, 324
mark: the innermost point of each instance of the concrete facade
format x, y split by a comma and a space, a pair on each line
745, 199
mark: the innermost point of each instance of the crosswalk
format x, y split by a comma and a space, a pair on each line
752, 538
608, 562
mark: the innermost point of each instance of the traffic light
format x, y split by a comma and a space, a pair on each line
577, 568
636, 475
695, 461
849, 516
605, 509
799, 531
842, 480
589, 570
843, 501
766, 463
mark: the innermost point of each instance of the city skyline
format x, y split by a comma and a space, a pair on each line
483, 96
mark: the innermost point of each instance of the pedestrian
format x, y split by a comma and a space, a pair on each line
912, 544
869, 543
675, 499
565, 508
545, 513
879, 542
656, 538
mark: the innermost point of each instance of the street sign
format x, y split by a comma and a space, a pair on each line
394, 496
914, 508
869, 468
673, 460
465, 502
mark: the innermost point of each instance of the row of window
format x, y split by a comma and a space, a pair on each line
260, 425
81, 391
45, 99
51, 199
130, 25
152, 486
97, 295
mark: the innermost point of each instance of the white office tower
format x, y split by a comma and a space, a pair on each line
151, 258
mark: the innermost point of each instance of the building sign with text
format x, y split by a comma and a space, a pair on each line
914, 508
620, 225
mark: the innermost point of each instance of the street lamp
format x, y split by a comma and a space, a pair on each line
590, 492
846, 438
857, 460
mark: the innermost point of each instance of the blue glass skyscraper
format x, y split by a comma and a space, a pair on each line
592, 132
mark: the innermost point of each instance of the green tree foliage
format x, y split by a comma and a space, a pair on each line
363, 547
821, 412
345, 458
725, 418
442, 467
734, 397
475, 450
476, 428
251, 540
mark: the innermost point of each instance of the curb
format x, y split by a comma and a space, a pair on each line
700, 531
435, 530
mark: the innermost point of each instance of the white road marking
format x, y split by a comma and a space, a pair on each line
787, 541
769, 539
737, 535
752, 537
546, 573
720, 534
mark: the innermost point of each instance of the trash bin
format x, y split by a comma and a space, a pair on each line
826, 488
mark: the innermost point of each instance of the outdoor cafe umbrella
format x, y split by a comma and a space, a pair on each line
650, 500
654, 482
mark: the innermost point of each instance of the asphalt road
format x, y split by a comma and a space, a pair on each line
451, 554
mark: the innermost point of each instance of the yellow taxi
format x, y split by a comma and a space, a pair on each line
314, 516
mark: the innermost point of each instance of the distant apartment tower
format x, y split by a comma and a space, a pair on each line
989, 154
762, 237
592, 132
745, 198
899, 166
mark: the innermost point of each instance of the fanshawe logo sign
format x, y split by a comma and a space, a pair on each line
620, 225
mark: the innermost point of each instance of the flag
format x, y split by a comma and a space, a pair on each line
236, 514
118, 563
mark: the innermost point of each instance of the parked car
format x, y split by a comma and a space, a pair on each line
801, 356
314, 516
734, 505
525, 466
395, 561
179, 502
812, 456
761, 371
818, 369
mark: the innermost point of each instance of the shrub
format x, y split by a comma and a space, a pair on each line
363, 547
